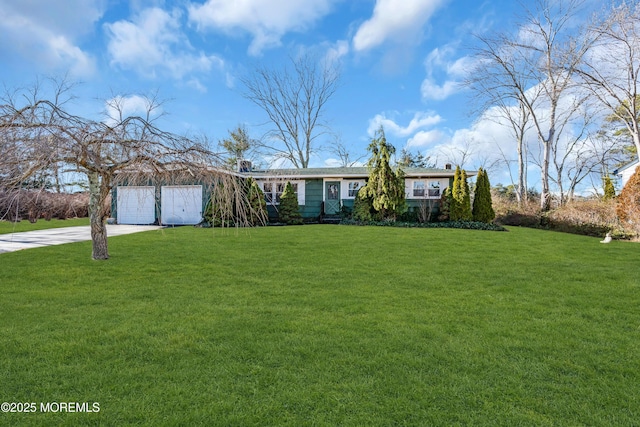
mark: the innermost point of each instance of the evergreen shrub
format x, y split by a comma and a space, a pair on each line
460, 209
363, 208
482, 205
289, 210
609, 189
257, 214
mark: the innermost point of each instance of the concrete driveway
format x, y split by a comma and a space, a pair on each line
58, 236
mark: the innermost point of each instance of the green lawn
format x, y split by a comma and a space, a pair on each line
15, 227
325, 325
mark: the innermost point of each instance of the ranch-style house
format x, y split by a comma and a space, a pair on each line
321, 192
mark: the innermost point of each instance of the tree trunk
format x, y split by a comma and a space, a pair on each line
545, 195
97, 217
521, 190
636, 142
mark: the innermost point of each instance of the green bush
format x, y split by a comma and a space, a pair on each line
363, 208
257, 214
467, 225
289, 210
460, 208
482, 206
214, 216
411, 215
445, 205
609, 189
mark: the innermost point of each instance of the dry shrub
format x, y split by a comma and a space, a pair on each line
591, 217
628, 202
509, 213
16, 205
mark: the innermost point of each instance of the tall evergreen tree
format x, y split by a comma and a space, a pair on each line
411, 160
289, 210
454, 205
460, 209
385, 186
482, 206
238, 146
465, 202
609, 189
445, 205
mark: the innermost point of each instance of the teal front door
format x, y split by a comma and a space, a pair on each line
332, 197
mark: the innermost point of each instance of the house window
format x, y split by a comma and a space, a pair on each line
267, 189
279, 190
354, 187
349, 188
273, 191
424, 188
418, 188
434, 188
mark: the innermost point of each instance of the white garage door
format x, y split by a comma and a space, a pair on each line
181, 204
136, 205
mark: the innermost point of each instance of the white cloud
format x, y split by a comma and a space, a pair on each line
336, 51
424, 139
439, 62
47, 32
397, 21
120, 107
153, 43
460, 67
431, 90
332, 163
420, 120
266, 20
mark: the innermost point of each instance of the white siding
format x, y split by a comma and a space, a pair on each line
626, 174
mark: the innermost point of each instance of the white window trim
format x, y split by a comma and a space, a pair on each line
427, 181
344, 187
275, 182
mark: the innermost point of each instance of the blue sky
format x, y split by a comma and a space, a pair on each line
401, 61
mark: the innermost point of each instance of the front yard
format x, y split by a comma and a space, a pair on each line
325, 325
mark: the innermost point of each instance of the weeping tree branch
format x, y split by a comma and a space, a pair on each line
123, 148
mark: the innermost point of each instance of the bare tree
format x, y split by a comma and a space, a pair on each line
121, 148
612, 67
294, 99
343, 153
457, 154
570, 153
501, 85
542, 60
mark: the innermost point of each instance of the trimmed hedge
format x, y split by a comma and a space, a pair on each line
467, 225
